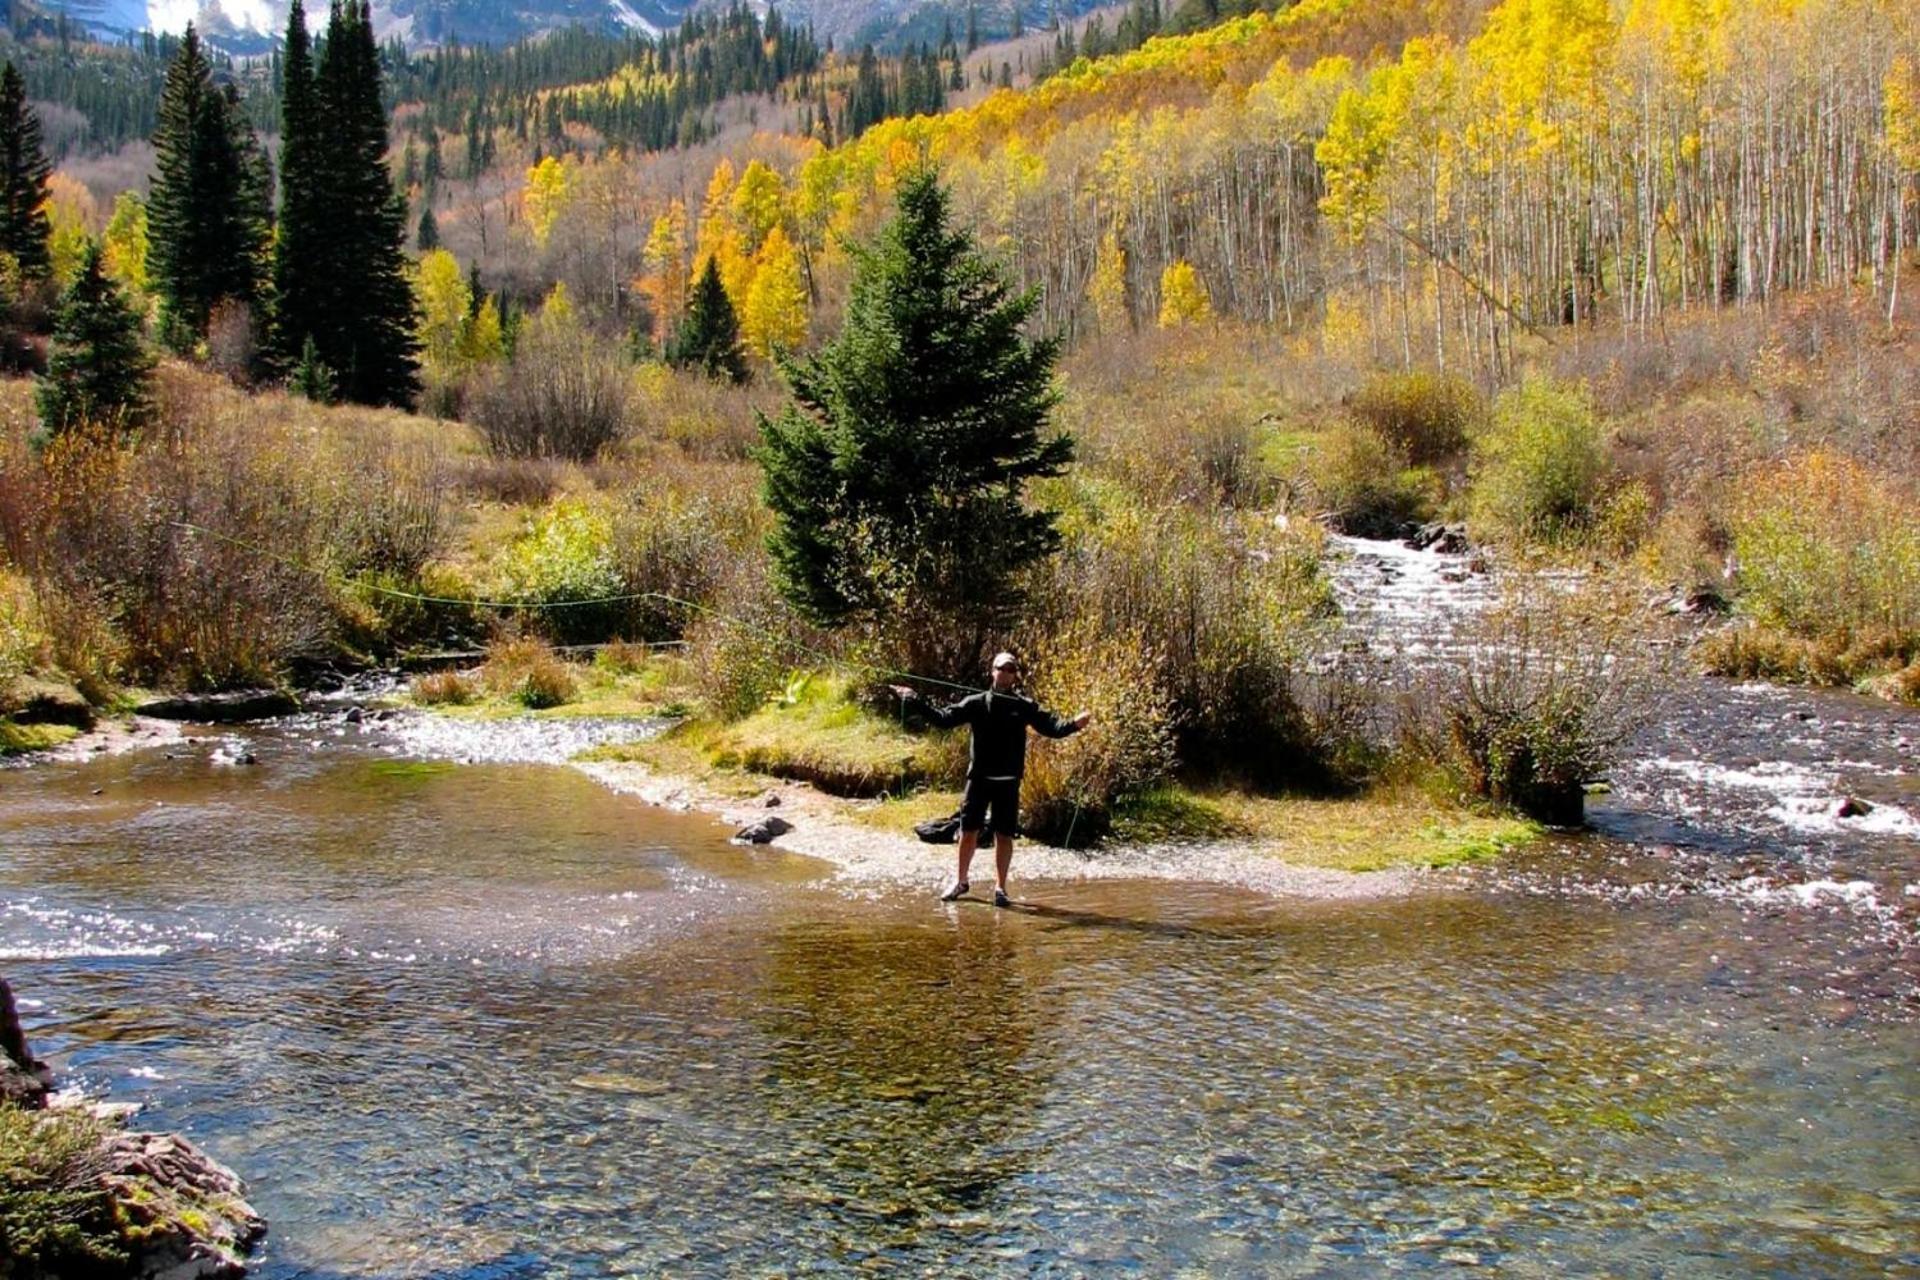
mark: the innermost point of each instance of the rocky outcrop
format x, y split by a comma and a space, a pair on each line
222, 708
184, 1214
175, 1211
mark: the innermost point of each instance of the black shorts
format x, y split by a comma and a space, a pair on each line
1003, 798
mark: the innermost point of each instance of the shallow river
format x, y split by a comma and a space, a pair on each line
490, 1019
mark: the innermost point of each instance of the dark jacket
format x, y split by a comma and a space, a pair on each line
1000, 722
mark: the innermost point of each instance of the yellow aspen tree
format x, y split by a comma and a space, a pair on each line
1108, 288
545, 197
1183, 296
775, 315
125, 242
556, 312
664, 263
722, 238
482, 339
441, 290
758, 204
73, 212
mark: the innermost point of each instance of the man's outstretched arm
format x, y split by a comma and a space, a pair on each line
948, 717
1050, 725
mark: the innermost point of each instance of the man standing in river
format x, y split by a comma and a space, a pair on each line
998, 757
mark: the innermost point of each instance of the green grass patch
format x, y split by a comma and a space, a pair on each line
1373, 831
814, 734
817, 734
18, 739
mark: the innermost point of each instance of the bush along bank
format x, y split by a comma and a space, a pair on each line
81, 1195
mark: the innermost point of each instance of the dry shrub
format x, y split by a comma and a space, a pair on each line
1230, 606
233, 349
1424, 415
741, 656
1824, 544
115, 528
1881, 659
623, 658
1540, 466
443, 689
518, 482
24, 643
1551, 683
203, 556
1073, 784
563, 396
708, 420
1363, 484
526, 670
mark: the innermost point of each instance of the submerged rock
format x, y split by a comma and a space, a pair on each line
223, 708
1852, 807
768, 828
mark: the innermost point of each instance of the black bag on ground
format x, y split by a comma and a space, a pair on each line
939, 830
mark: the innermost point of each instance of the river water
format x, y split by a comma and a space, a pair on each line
458, 1011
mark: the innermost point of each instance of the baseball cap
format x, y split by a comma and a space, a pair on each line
1005, 659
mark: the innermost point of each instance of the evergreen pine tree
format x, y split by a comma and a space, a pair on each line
24, 171
208, 215
310, 376
366, 332
708, 338
302, 295
896, 473
427, 238
98, 369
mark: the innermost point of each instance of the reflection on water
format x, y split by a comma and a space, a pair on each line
495, 1021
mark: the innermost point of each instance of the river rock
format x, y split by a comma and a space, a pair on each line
222, 708
186, 1211
771, 800
1445, 539
768, 828
25, 1081
1852, 807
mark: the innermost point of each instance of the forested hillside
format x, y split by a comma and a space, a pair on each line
1434, 185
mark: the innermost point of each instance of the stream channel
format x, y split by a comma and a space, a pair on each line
457, 1010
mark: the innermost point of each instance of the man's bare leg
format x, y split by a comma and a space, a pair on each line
1002, 858
969, 841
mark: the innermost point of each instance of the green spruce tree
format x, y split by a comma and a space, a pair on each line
300, 286
367, 333
708, 337
427, 237
896, 473
208, 215
97, 373
24, 171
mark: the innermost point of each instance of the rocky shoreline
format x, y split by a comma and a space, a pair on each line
160, 1204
